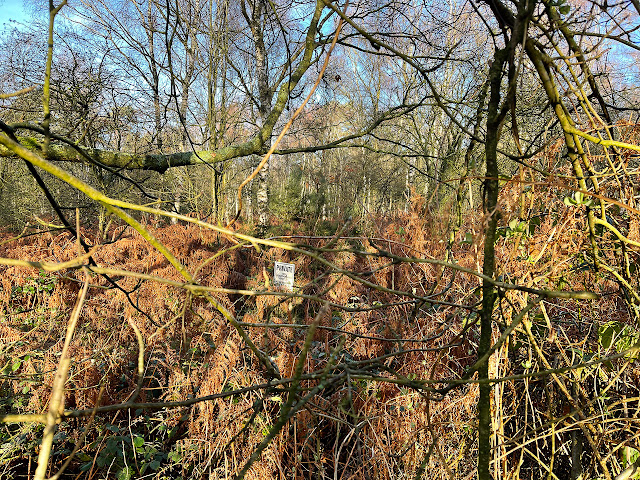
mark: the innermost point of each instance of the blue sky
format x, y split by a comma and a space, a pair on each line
12, 9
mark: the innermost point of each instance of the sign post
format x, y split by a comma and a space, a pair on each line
283, 275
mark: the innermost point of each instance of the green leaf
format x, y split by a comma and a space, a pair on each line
138, 442
629, 456
16, 365
617, 335
125, 474
607, 332
503, 179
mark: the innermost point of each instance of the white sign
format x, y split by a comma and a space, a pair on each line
283, 274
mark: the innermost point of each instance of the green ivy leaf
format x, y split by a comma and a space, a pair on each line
138, 442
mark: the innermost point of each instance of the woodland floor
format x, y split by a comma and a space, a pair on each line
369, 422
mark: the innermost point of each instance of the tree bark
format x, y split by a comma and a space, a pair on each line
491, 189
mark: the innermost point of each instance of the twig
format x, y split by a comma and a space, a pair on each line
4, 96
56, 403
80, 440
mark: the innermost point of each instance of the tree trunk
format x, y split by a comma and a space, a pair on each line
262, 200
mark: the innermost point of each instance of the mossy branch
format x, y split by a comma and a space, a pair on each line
116, 207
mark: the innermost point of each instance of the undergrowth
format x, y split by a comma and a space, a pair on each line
375, 385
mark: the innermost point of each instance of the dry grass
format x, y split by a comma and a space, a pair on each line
371, 418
